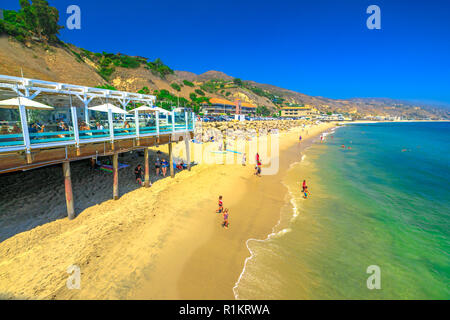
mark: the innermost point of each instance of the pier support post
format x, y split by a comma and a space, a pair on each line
188, 150
68, 189
147, 169
116, 176
172, 172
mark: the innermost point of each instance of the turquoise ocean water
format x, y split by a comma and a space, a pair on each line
384, 202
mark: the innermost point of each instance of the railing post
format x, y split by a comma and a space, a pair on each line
157, 122
76, 132
136, 122
116, 176
187, 120
111, 125
25, 133
173, 121
86, 112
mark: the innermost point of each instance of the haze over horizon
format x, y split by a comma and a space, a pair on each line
319, 48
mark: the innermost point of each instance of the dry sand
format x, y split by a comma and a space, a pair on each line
165, 242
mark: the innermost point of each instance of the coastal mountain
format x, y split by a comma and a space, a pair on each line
67, 63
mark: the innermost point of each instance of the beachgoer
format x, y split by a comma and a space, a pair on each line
157, 165
244, 159
304, 186
305, 192
257, 157
258, 169
220, 210
138, 173
225, 218
164, 166
300, 138
321, 138
99, 126
126, 125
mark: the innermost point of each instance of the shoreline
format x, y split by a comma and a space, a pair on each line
164, 242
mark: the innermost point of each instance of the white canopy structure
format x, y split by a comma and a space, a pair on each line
106, 107
178, 110
21, 101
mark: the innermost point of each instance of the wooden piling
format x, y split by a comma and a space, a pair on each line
188, 151
172, 172
147, 168
116, 176
68, 190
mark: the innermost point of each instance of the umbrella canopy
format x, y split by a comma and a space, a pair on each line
142, 108
28, 103
106, 107
161, 110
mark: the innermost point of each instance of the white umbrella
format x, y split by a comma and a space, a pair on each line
142, 108
106, 107
161, 110
15, 102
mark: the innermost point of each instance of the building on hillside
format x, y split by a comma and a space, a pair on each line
219, 106
294, 112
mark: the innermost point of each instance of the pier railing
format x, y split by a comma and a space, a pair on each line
23, 128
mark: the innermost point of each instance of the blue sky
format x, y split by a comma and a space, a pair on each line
317, 47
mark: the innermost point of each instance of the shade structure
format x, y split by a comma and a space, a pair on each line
27, 103
178, 109
108, 106
142, 108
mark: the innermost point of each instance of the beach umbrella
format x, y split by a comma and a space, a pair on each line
28, 103
142, 108
106, 107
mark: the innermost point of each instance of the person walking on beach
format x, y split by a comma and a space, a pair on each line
304, 186
321, 139
305, 192
157, 165
258, 169
225, 218
220, 210
257, 158
300, 139
138, 173
244, 159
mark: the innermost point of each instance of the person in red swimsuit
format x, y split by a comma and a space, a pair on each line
220, 210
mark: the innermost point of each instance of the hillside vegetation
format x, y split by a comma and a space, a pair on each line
29, 43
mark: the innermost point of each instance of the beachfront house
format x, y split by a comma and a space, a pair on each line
294, 112
218, 106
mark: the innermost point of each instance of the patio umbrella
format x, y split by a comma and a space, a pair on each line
160, 110
28, 103
106, 107
142, 108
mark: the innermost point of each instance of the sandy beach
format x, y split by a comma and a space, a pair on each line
163, 242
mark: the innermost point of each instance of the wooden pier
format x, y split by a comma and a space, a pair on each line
21, 149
